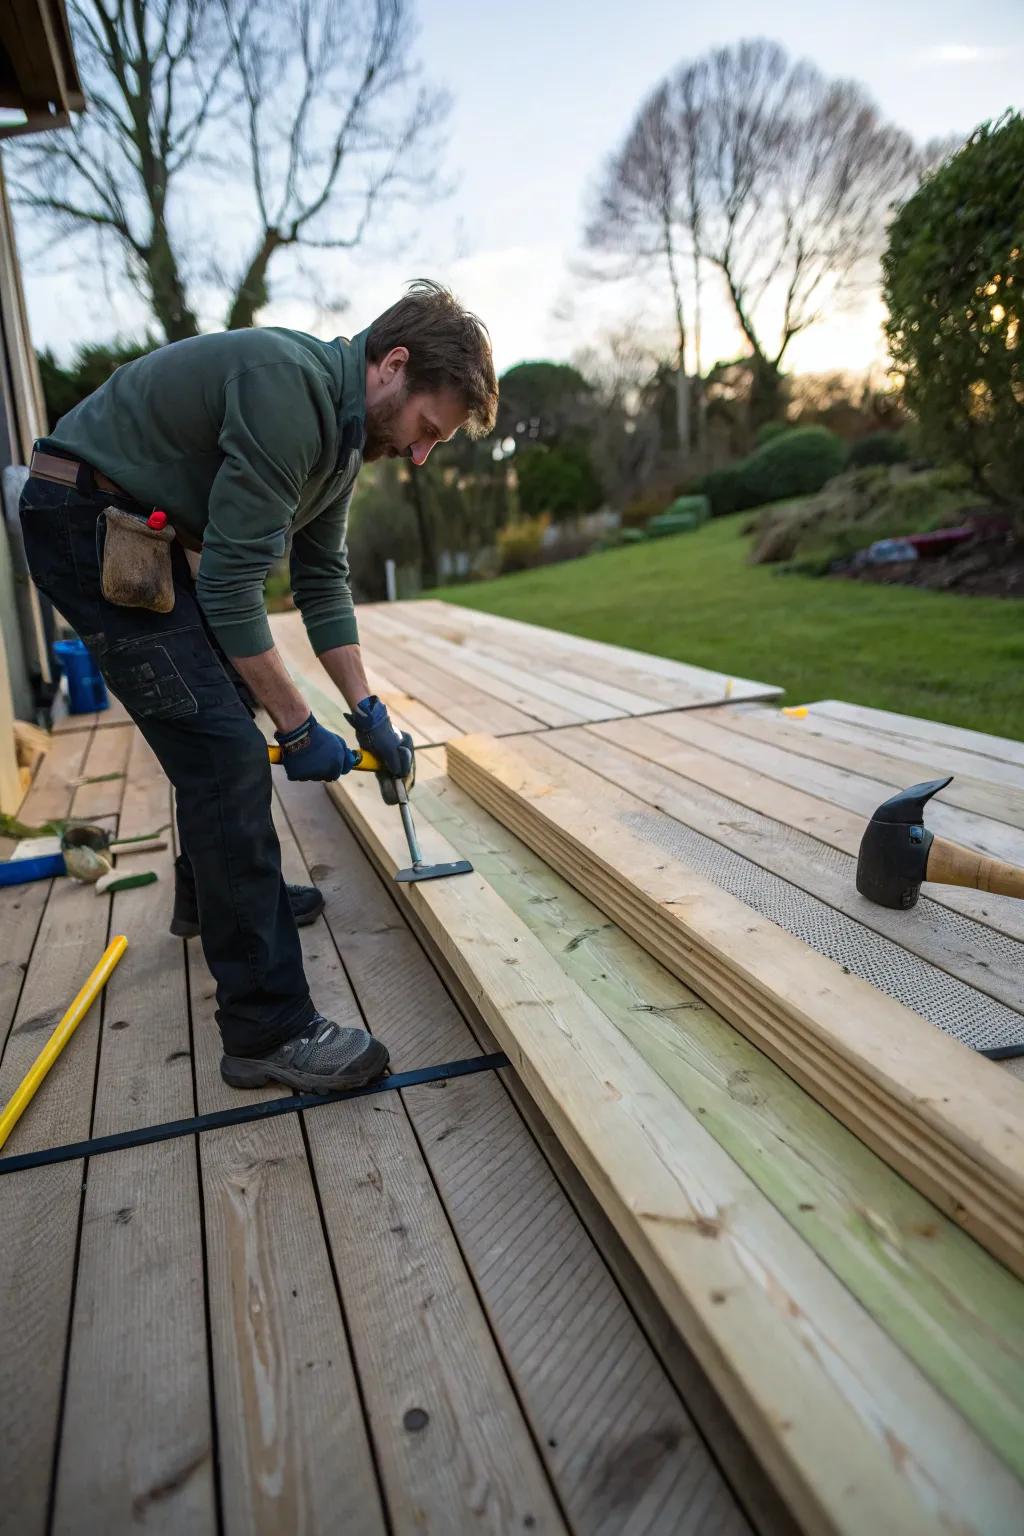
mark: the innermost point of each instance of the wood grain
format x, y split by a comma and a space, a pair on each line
621, 1449
799, 1363
949, 1121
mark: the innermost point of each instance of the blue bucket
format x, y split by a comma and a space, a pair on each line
86, 688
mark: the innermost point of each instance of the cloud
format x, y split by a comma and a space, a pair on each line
960, 53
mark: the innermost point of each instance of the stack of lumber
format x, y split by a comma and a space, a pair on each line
870, 1348
946, 1119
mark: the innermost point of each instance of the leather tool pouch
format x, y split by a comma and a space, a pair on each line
136, 568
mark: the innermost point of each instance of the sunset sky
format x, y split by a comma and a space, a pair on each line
540, 99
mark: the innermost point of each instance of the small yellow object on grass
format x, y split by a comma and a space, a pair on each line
796, 712
26, 1089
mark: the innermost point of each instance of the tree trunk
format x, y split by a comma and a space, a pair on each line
765, 392
428, 555
167, 291
252, 293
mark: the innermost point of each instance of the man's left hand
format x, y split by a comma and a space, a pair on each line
375, 733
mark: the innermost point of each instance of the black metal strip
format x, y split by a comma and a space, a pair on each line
265, 1110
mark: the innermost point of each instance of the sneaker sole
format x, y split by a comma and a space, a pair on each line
182, 929
241, 1072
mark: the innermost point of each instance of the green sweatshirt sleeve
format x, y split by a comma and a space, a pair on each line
270, 437
319, 567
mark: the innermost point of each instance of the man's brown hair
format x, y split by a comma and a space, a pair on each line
448, 349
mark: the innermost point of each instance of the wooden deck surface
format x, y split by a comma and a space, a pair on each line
405, 1312
445, 671
383, 1315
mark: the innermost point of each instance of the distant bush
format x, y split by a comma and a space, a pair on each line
724, 490
792, 463
878, 448
560, 481
697, 507
520, 544
770, 430
796, 463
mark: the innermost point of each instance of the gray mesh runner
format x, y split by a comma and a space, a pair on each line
961, 1010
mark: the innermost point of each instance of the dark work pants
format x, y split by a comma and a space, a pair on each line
193, 709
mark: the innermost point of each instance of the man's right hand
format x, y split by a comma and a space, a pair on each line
312, 752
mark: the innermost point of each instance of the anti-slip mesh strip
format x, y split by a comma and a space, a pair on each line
955, 1007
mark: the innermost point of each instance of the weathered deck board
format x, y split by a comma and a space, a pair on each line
293, 1444
620, 1447
133, 1451
39, 1209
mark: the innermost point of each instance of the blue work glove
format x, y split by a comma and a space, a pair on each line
312, 752
376, 734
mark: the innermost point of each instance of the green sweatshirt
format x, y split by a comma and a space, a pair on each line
241, 438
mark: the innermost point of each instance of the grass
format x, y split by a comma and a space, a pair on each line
693, 597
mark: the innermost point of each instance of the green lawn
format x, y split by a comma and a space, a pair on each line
693, 597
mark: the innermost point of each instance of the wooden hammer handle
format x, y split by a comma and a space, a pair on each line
949, 864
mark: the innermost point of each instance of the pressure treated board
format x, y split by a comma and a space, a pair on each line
790, 803
687, 684
949, 1121
842, 786
974, 953
980, 743
875, 758
619, 1446
954, 1309
801, 1365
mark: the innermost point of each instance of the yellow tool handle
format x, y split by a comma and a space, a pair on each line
25, 1091
365, 761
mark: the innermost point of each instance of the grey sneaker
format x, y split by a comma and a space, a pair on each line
323, 1059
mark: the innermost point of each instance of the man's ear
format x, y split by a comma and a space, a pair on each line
392, 363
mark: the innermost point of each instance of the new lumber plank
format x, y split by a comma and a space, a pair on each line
620, 1447
980, 743
949, 1121
409, 714
553, 703
954, 1309
801, 1366
459, 699
874, 759
39, 1208
841, 786
970, 765
695, 682
793, 805
128, 1453
971, 952
542, 703
293, 1444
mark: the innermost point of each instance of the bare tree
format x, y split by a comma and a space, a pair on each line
331, 72
764, 170
799, 173
319, 92
639, 213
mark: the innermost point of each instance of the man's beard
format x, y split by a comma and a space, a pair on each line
380, 420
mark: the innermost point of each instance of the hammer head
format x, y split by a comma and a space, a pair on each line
894, 849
